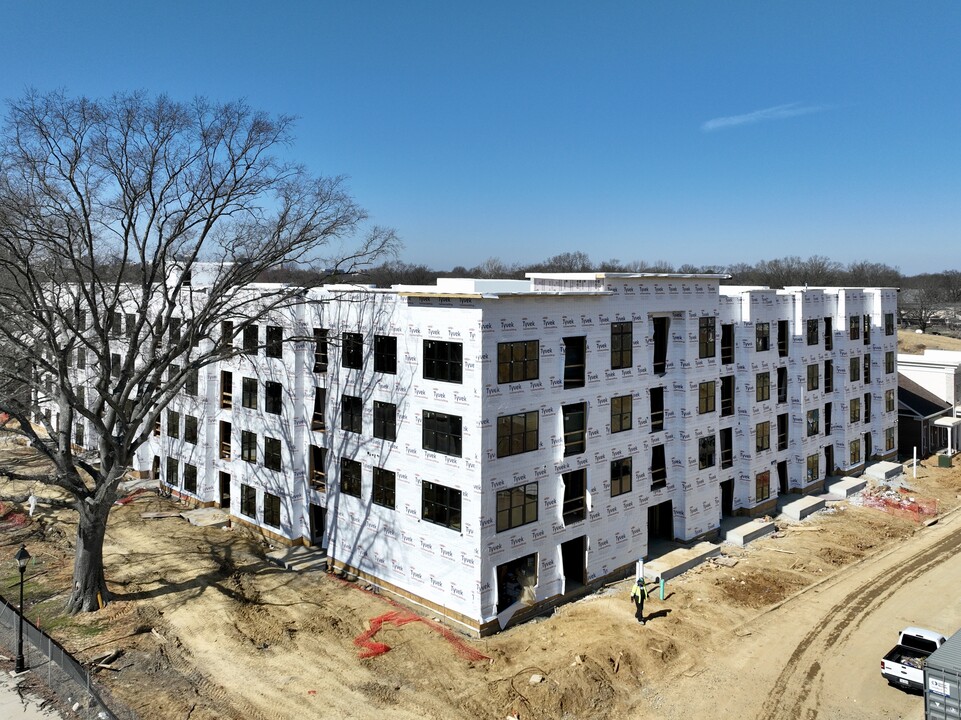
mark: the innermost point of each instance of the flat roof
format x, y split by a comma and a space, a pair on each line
624, 276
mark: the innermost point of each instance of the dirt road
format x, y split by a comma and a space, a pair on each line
827, 666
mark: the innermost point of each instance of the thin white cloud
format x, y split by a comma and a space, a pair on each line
778, 112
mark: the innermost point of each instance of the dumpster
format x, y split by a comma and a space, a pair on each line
942, 681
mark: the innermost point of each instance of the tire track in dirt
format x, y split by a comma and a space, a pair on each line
796, 692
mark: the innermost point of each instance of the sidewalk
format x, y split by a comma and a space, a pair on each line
11, 706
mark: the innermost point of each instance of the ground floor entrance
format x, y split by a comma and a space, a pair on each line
318, 522
727, 497
574, 563
660, 521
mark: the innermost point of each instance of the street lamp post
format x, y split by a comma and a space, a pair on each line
22, 557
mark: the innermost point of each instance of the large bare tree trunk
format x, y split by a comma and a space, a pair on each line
89, 586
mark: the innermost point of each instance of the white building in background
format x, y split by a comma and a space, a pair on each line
487, 447
938, 372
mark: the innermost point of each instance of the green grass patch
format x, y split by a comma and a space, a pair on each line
45, 605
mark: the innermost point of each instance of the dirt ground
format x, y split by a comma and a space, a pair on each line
207, 628
915, 343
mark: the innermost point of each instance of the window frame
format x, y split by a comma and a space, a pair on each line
273, 454
249, 390
515, 434
762, 492
855, 451
352, 414
622, 419
706, 451
172, 474
706, 397
854, 410
762, 430
274, 345
762, 386
622, 345
251, 340
384, 488
514, 361
622, 476
191, 429
706, 337
385, 421
271, 510
273, 397
248, 446
173, 424
762, 337
190, 478
351, 477
814, 376
516, 506
813, 331
443, 507
248, 500
385, 354
443, 361
442, 433
352, 350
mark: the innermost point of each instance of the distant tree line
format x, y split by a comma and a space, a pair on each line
923, 296
793, 270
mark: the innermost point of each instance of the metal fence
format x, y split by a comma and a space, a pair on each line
54, 666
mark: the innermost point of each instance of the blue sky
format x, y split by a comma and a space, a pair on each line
698, 132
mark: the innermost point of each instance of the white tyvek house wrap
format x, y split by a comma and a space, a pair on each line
457, 569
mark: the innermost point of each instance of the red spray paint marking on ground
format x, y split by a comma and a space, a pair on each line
404, 617
400, 617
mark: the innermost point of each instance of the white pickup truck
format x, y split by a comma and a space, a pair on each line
904, 665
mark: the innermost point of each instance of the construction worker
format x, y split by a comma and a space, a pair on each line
638, 595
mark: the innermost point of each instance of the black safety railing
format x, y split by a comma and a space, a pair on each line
52, 665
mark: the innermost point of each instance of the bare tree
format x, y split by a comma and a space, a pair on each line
920, 305
398, 273
108, 208
872, 274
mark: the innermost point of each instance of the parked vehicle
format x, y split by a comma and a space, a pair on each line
903, 666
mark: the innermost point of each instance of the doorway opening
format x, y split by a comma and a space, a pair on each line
574, 563
318, 522
660, 521
516, 580
727, 498
225, 490
782, 487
